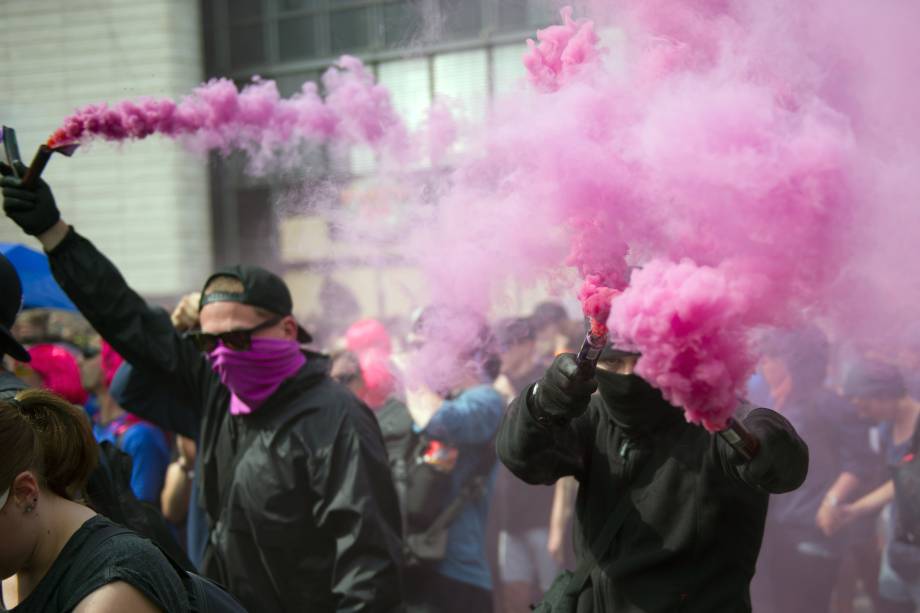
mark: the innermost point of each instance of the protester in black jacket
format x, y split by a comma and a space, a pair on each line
294, 475
695, 510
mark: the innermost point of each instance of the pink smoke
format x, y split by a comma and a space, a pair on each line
752, 162
561, 52
596, 301
713, 163
256, 119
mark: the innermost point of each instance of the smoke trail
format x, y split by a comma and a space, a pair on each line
256, 120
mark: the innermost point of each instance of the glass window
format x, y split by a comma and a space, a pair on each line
507, 67
463, 77
541, 13
461, 18
291, 84
402, 22
409, 86
247, 45
297, 38
349, 29
244, 10
512, 15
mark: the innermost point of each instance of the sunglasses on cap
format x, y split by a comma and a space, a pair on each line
237, 340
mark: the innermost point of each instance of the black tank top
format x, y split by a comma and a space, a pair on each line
76, 573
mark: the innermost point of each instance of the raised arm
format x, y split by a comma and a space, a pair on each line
546, 432
142, 335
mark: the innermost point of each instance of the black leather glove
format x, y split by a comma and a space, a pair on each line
32, 209
781, 463
561, 395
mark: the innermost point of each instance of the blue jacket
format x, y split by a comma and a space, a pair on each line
468, 422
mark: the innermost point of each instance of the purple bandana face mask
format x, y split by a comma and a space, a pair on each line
255, 374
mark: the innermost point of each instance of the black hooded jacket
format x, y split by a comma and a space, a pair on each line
302, 508
695, 518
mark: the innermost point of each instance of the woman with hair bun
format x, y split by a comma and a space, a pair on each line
57, 554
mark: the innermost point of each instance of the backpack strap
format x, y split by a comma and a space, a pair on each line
605, 539
473, 488
600, 546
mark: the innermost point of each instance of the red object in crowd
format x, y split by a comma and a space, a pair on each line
111, 360
441, 457
59, 371
369, 340
377, 374
367, 334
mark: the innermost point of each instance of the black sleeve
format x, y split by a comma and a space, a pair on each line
541, 454
781, 464
155, 399
144, 336
360, 512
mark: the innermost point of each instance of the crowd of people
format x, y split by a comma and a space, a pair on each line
214, 455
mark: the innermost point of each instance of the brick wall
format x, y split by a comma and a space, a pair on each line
145, 204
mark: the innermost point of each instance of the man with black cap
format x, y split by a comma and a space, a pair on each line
294, 476
10, 305
669, 517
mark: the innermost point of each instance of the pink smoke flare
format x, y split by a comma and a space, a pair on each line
256, 119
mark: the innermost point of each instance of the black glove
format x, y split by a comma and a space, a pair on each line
781, 463
561, 395
33, 209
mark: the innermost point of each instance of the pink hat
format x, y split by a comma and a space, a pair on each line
110, 363
59, 371
379, 381
367, 334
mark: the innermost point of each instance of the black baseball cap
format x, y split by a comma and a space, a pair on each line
10, 305
261, 288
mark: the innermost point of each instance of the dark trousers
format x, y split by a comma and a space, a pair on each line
428, 591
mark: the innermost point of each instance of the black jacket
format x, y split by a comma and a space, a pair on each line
10, 384
693, 530
301, 504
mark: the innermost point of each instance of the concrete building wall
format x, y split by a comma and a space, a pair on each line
145, 204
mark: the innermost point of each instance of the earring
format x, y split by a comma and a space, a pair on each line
29, 508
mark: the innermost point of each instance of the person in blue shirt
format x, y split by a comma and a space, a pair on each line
461, 421
145, 443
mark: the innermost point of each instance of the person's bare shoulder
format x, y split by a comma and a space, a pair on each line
116, 597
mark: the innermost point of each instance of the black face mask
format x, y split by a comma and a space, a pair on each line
632, 402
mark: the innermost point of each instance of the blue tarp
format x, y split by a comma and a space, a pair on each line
39, 288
